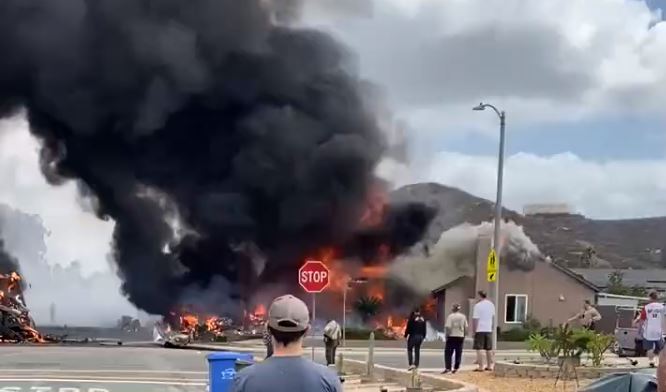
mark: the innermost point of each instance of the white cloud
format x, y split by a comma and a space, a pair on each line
619, 189
74, 233
540, 60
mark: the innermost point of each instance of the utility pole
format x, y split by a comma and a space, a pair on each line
494, 286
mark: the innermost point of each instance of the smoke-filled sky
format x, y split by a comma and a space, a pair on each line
583, 83
225, 145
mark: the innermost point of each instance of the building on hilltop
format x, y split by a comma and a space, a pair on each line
548, 209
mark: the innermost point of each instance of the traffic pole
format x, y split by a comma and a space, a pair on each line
314, 317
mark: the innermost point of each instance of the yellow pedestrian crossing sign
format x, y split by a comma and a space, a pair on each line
493, 266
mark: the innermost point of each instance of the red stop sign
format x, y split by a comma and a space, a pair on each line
314, 276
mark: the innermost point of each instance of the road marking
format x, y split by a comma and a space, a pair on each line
100, 371
72, 376
195, 384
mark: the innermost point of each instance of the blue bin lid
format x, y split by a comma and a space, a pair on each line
228, 356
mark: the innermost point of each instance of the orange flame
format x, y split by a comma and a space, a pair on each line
397, 327
260, 310
376, 202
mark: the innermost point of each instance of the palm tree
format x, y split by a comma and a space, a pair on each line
368, 307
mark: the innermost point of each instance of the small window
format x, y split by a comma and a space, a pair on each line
516, 308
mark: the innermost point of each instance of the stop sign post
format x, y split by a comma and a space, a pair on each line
314, 277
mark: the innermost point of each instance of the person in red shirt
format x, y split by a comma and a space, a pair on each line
652, 319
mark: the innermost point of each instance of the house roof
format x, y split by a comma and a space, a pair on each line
575, 276
450, 284
579, 278
648, 278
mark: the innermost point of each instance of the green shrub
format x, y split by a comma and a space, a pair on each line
532, 324
546, 347
518, 334
572, 343
597, 345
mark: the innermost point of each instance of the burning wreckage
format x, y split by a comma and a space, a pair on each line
184, 327
16, 325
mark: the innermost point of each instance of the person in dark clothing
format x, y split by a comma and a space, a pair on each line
415, 333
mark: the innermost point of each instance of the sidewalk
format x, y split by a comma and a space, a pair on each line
392, 344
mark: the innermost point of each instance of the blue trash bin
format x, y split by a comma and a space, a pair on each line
222, 369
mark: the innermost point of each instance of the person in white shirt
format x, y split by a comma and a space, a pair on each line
652, 317
482, 327
332, 336
456, 326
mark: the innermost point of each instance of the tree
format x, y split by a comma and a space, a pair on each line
638, 291
616, 286
368, 307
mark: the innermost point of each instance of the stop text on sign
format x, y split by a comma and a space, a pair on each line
313, 276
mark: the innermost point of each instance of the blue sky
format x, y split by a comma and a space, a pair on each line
595, 139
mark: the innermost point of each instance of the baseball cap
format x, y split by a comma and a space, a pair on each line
288, 314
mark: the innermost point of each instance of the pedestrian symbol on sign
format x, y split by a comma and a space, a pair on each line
493, 266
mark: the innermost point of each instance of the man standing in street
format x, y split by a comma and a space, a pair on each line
332, 336
652, 317
287, 370
482, 327
456, 326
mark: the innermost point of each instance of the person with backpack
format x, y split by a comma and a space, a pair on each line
332, 336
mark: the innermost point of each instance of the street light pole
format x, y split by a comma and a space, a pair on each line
348, 285
344, 314
498, 210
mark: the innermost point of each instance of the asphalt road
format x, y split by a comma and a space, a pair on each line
101, 369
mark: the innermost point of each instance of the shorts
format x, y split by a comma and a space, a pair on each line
483, 341
654, 345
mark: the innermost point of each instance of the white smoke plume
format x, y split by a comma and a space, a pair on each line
57, 294
454, 256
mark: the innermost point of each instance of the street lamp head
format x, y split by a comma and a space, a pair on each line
479, 107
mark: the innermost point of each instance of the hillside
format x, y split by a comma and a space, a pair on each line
630, 243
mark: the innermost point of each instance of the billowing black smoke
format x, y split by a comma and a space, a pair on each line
199, 127
8, 263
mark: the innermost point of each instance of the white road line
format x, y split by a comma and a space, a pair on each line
40, 370
73, 376
96, 381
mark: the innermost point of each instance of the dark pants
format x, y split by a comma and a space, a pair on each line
331, 347
453, 345
414, 349
269, 350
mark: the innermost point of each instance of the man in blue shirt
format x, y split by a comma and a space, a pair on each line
286, 370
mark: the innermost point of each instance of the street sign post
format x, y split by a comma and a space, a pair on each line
314, 277
492, 268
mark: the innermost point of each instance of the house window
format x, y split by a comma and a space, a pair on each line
516, 308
